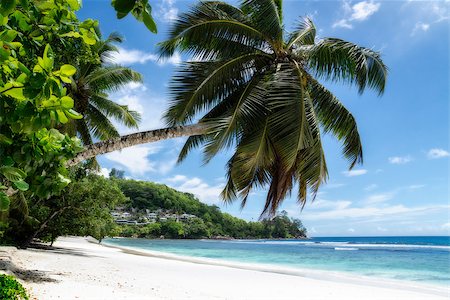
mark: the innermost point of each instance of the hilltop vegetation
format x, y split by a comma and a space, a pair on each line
210, 221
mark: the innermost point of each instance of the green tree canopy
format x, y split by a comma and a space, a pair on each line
256, 88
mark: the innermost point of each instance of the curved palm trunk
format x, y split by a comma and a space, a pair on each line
134, 139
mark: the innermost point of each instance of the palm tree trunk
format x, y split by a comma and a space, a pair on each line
136, 139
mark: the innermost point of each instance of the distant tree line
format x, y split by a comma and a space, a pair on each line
85, 209
211, 222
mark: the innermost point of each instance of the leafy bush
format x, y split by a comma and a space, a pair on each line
11, 289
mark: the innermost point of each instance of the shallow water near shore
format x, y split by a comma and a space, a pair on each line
417, 259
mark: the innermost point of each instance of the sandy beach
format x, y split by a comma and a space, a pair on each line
81, 269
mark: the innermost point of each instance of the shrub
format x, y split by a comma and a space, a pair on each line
11, 289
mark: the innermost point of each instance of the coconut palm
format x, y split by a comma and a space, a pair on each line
91, 86
255, 88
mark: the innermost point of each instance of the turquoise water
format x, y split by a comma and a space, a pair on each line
418, 259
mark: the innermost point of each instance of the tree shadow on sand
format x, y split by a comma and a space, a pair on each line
35, 276
23, 274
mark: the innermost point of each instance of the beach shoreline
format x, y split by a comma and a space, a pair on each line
80, 268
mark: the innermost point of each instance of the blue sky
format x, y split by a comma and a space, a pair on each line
402, 187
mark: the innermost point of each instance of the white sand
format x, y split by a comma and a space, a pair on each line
84, 270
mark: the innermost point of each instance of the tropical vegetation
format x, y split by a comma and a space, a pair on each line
209, 222
11, 289
43, 49
256, 89
94, 80
250, 87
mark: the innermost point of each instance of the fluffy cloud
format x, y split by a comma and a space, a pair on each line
428, 14
353, 173
167, 11
104, 172
371, 211
360, 11
377, 198
363, 10
437, 153
343, 24
205, 192
334, 185
135, 159
420, 27
134, 56
139, 98
400, 160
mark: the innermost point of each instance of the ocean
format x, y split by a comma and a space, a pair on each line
421, 259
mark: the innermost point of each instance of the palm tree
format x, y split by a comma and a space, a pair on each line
92, 83
255, 88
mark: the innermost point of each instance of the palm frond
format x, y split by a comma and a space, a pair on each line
121, 113
99, 124
200, 85
111, 78
305, 34
208, 29
335, 118
265, 16
338, 60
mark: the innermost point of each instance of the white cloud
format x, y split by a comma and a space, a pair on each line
135, 56
420, 26
372, 212
165, 167
360, 11
437, 153
377, 198
205, 192
104, 172
135, 159
353, 173
343, 24
446, 226
427, 14
416, 186
351, 230
371, 187
400, 160
167, 11
334, 185
363, 10
133, 102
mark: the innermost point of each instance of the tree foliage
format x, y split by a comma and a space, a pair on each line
36, 39
84, 209
256, 87
211, 222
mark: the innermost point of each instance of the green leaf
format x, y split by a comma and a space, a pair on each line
67, 70
67, 102
48, 58
71, 34
7, 6
8, 35
61, 116
5, 140
88, 37
4, 201
12, 174
73, 114
15, 91
149, 22
123, 7
74, 4
8, 161
21, 185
